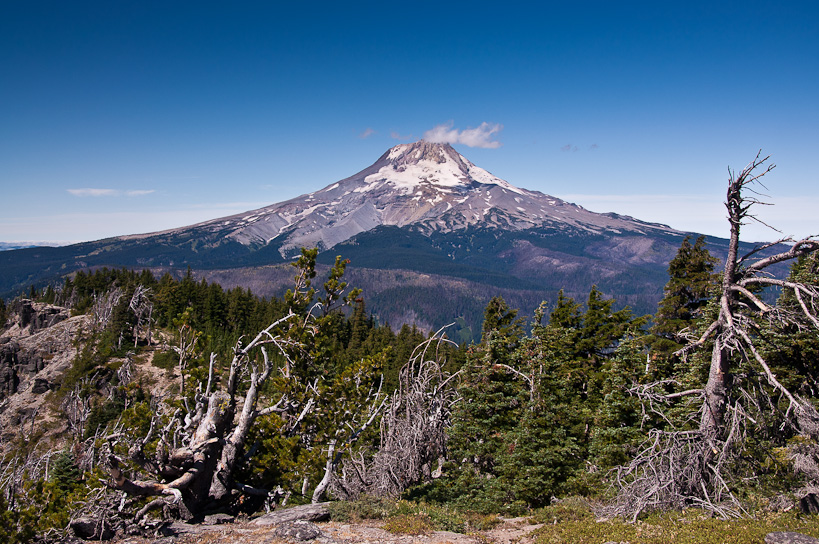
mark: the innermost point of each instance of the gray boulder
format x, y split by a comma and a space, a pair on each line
92, 529
306, 512
789, 538
298, 531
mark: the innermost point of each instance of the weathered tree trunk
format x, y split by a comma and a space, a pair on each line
716, 392
309, 512
716, 388
683, 467
206, 445
202, 471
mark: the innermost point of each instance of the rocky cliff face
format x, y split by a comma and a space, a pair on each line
17, 360
37, 345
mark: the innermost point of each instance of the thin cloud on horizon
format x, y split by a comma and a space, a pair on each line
96, 192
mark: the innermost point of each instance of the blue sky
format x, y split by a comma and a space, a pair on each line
126, 117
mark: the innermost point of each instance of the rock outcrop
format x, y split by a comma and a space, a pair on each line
20, 360
37, 345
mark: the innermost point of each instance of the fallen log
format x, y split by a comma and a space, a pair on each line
308, 512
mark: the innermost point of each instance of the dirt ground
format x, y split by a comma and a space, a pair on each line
515, 530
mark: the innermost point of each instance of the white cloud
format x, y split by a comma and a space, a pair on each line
480, 136
87, 191
93, 192
367, 133
61, 229
571, 148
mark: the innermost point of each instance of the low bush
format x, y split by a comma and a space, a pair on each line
690, 527
405, 516
409, 524
569, 509
366, 507
166, 360
446, 518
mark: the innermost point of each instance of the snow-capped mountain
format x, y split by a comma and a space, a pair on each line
430, 236
427, 186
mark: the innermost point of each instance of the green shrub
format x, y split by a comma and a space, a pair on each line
102, 413
690, 527
446, 518
409, 524
166, 360
17, 525
569, 509
366, 507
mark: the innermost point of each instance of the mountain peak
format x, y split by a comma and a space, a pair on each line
406, 166
422, 151
425, 186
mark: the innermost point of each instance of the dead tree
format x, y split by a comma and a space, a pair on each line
188, 337
198, 451
195, 446
734, 329
104, 306
346, 436
76, 407
413, 429
684, 467
142, 307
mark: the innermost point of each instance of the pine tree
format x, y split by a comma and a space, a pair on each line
690, 286
64, 472
793, 350
501, 331
501, 319
490, 409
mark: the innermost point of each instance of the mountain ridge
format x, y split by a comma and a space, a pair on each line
427, 185
422, 208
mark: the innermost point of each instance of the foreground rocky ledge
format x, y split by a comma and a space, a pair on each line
326, 532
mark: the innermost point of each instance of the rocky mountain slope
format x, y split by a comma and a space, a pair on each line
36, 349
421, 209
427, 186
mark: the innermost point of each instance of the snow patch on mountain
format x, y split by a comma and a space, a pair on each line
428, 186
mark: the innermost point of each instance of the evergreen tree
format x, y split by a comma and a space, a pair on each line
501, 331
690, 286
602, 327
567, 313
793, 350
49, 295
490, 409
617, 428
502, 320
64, 472
360, 326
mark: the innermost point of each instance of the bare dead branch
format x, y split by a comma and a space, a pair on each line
673, 469
413, 429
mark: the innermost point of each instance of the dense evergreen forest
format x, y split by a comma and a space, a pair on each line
556, 404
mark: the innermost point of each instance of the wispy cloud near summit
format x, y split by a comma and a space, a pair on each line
472, 137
